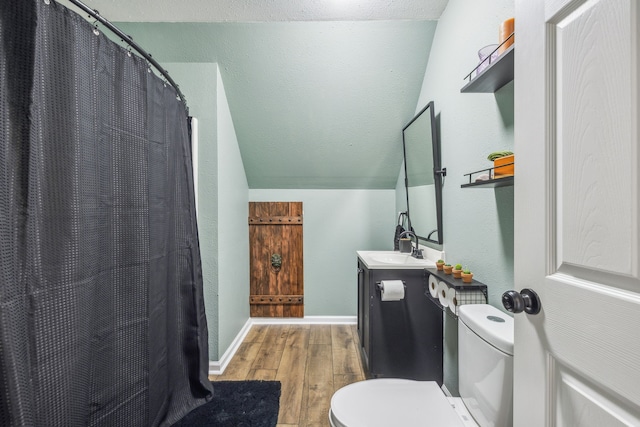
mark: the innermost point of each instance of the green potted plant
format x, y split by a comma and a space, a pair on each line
447, 268
467, 276
457, 271
439, 264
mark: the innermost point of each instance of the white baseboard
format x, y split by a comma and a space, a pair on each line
307, 320
218, 367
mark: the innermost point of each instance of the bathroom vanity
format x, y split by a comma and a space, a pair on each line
399, 339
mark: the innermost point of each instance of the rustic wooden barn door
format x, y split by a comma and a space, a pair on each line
275, 246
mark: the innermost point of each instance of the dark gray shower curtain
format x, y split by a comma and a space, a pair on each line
101, 310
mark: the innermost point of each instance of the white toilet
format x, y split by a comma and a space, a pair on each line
485, 369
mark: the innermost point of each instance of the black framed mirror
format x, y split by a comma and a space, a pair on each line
423, 175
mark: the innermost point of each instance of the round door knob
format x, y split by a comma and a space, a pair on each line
517, 302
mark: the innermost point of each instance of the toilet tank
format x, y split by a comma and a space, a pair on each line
485, 364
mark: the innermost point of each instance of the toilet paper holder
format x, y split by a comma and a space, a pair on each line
379, 285
392, 290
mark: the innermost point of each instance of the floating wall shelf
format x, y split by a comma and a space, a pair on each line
491, 183
492, 78
501, 181
466, 293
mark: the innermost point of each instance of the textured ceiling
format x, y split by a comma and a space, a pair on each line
315, 104
266, 10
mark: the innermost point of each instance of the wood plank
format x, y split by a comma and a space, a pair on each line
291, 373
319, 383
285, 276
320, 358
276, 299
341, 380
262, 374
256, 311
275, 220
240, 365
291, 376
260, 251
295, 208
293, 310
320, 334
345, 359
299, 336
354, 332
304, 402
271, 350
257, 333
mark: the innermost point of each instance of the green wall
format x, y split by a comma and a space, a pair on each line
305, 95
478, 223
337, 223
233, 229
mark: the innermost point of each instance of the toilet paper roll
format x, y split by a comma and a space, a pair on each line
452, 300
442, 294
392, 290
433, 286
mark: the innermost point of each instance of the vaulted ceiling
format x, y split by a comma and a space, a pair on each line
318, 90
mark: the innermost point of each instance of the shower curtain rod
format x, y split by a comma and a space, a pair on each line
126, 38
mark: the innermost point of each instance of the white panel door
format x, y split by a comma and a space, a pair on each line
577, 363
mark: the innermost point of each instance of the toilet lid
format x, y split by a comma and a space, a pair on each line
392, 402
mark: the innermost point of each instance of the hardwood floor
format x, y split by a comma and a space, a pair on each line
310, 361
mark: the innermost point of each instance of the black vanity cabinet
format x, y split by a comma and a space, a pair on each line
399, 339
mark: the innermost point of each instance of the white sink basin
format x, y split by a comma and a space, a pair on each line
392, 260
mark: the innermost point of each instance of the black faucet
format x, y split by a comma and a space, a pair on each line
415, 252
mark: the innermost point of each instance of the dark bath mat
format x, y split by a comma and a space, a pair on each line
237, 404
